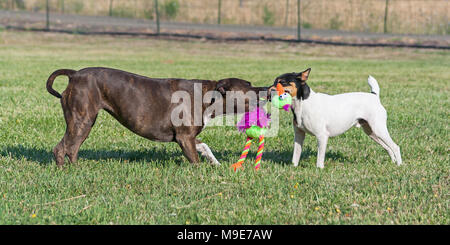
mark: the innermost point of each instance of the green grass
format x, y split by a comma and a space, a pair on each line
122, 178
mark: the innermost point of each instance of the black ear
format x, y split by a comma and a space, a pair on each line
303, 88
304, 91
303, 76
222, 86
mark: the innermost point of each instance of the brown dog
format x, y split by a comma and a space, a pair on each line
141, 104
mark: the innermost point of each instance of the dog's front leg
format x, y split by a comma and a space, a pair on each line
206, 152
299, 137
322, 141
187, 144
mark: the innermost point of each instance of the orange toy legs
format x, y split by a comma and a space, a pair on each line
260, 152
241, 160
244, 154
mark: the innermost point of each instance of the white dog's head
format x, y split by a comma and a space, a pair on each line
294, 83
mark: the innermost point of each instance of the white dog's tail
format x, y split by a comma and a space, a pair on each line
375, 89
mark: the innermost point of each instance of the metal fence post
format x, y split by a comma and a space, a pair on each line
135, 9
47, 10
110, 7
62, 6
385, 15
218, 11
157, 16
298, 20
286, 17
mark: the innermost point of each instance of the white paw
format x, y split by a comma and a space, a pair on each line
215, 163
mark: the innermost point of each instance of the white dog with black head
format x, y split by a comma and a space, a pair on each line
325, 116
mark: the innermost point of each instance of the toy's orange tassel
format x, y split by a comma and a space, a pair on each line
280, 89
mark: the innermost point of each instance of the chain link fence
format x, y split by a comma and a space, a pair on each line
374, 23
390, 16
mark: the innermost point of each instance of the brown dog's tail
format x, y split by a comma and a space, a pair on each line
66, 72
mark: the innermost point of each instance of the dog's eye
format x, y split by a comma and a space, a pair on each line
283, 96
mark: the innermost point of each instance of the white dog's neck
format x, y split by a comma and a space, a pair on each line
298, 104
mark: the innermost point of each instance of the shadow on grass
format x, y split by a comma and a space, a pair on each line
46, 157
285, 157
161, 156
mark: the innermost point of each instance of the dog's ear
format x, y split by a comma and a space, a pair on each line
227, 84
303, 76
303, 88
222, 86
304, 91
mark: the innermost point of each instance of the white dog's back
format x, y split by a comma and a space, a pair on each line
337, 113
340, 112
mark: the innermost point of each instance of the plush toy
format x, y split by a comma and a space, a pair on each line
283, 100
255, 123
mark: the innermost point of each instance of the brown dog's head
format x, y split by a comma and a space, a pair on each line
235, 89
294, 84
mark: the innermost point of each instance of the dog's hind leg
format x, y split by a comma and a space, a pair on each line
59, 153
80, 117
384, 136
75, 138
366, 128
381, 135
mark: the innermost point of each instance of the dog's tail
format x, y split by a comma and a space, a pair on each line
66, 72
375, 89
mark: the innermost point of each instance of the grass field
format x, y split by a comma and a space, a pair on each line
122, 178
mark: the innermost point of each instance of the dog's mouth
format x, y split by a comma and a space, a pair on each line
273, 91
288, 90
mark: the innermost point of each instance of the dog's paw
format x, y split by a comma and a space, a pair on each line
215, 163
